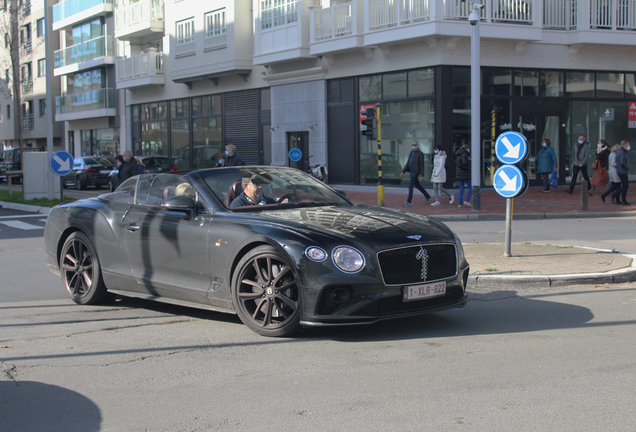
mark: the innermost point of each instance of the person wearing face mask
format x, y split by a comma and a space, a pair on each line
438, 177
415, 166
599, 179
580, 156
128, 167
221, 161
232, 158
462, 174
546, 162
622, 169
615, 181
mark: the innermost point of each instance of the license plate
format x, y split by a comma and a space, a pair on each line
418, 292
104, 172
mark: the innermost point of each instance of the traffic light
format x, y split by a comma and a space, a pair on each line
371, 124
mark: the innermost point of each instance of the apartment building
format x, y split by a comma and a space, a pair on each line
272, 75
30, 47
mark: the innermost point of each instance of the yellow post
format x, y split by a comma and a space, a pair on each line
493, 138
380, 183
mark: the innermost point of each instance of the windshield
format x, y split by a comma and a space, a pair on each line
277, 187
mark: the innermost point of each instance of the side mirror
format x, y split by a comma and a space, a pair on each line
180, 203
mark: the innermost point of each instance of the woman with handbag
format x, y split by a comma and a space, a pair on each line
546, 162
599, 179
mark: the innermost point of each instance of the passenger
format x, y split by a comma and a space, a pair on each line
252, 194
185, 189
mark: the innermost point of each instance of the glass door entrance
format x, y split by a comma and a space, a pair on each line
536, 128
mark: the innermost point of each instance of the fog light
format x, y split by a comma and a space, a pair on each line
339, 295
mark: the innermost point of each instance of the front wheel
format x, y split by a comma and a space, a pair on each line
81, 272
266, 294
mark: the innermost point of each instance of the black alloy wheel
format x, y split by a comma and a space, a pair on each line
266, 294
81, 271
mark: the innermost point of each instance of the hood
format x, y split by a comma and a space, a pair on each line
377, 226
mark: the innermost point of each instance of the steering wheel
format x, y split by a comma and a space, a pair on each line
288, 196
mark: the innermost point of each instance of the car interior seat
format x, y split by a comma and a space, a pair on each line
169, 191
235, 190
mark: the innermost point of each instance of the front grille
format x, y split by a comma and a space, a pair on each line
418, 264
389, 306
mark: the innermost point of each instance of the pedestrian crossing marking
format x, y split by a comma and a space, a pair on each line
21, 225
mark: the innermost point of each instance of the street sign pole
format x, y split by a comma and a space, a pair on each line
508, 232
380, 181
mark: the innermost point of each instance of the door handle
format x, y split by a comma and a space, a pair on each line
132, 227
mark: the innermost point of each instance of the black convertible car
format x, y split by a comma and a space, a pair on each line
298, 253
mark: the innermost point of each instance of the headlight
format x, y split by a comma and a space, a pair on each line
347, 259
315, 253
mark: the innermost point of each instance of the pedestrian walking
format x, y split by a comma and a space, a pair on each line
128, 168
415, 166
581, 154
232, 158
462, 174
546, 162
599, 179
622, 169
614, 179
438, 177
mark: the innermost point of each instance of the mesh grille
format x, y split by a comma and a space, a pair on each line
395, 306
417, 264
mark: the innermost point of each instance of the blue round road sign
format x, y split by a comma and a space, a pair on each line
61, 163
509, 181
511, 148
295, 154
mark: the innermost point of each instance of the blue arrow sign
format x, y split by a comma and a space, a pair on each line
510, 181
295, 154
511, 148
61, 163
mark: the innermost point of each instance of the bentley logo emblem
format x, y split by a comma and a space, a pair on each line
414, 237
422, 254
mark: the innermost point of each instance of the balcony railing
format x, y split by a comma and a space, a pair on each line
86, 101
25, 9
215, 41
27, 86
85, 51
26, 48
136, 13
560, 14
389, 13
68, 8
333, 22
28, 122
147, 64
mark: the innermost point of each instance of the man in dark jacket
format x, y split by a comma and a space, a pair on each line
580, 156
128, 168
252, 194
462, 174
415, 166
232, 158
622, 169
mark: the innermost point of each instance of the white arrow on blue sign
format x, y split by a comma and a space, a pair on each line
511, 147
509, 181
61, 163
295, 154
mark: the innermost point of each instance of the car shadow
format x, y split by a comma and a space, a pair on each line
30, 406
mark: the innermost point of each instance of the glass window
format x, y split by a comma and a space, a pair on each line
215, 23
461, 81
579, 84
495, 82
41, 27
394, 86
180, 108
42, 103
154, 111
609, 85
422, 83
154, 138
630, 84
275, 13
207, 141
185, 31
551, 83
526, 83
41, 67
371, 88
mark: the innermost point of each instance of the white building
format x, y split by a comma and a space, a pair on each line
270, 75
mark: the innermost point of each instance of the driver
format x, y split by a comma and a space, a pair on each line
252, 193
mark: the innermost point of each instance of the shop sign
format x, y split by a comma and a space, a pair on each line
631, 115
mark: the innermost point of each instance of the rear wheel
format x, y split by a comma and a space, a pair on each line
81, 272
266, 294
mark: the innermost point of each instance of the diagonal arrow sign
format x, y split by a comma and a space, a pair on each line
513, 151
511, 183
65, 165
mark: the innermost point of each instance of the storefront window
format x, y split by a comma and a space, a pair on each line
495, 82
609, 85
99, 142
371, 88
154, 139
526, 83
421, 83
180, 133
394, 86
461, 81
579, 84
630, 84
551, 83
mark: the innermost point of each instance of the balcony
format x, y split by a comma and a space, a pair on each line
25, 9
136, 20
27, 86
140, 70
94, 103
85, 55
337, 28
28, 122
69, 12
26, 48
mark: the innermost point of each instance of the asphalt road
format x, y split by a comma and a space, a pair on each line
539, 360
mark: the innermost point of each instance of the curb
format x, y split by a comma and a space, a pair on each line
25, 207
528, 216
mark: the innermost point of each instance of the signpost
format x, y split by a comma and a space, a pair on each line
295, 154
509, 180
61, 164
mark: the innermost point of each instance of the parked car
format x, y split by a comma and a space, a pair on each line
312, 258
11, 160
150, 164
89, 171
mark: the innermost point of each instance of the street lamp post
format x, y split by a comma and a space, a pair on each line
475, 106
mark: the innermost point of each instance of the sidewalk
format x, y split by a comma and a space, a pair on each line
531, 265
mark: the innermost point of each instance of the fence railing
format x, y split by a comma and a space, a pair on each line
560, 14
28, 122
135, 13
145, 64
99, 47
26, 48
332, 22
389, 13
27, 86
85, 101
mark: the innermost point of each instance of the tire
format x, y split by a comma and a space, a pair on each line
80, 185
81, 272
266, 294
